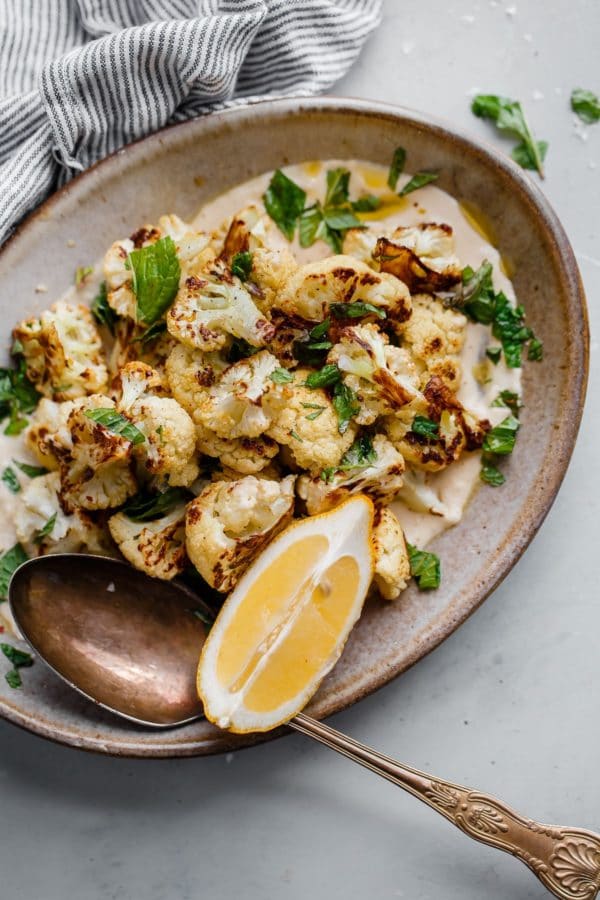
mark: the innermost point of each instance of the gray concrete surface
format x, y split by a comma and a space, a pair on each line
507, 704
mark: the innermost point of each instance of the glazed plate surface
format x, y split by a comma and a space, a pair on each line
179, 169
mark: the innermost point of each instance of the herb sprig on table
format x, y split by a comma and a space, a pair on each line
508, 116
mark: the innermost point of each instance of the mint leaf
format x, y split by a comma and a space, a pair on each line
346, 405
338, 183
30, 471
325, 377
241, 265
102, 311
360, 455
281, 376
535, 350
586, 104
284, 201
501, 439
366, 203
116, 423
156, 272
45, 530
510, 400
523, 156
13, 679
9, 477
151, 334
508, 116
9, 563
396, 167
418, 181
19, 658
356, 310
494, 354
425, 427
490, 474
424, 567
145, 507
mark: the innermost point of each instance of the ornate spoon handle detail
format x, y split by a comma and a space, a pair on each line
566, 860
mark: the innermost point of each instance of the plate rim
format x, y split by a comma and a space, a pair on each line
514, 546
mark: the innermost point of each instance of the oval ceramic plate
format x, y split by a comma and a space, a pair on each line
178, 169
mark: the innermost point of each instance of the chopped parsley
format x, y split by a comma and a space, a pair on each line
284, 201
586, 105
156, 272
145, 507
396, 167
30, 471
102, 311
508, 116
419, 180
19, 660
281, 376
360, 455
356, 310
9, 477
116, 423
500, 440
241, 265
425, 568
45, 530
346, 405
9, 563
425, 428
82, 273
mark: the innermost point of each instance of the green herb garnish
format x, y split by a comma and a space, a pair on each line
31, 471
116, 423
360, 455
19, 660
345, 402
241, 265
17, 396
9, 477
501, 439
425, 427
366, 203
284, 201
356, 310
494, 354
396, 167
508, 116
418, 181
510, 400
102, 311
586, 104
151, 334
315, 415
325, 377
281, 376
295, 435
329, 221
491, 474
156, 273
240, 349
9, 563
82, 273
144, 507
45, 530
425, 568
535, 350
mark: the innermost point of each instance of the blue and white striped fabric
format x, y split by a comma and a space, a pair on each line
81, 78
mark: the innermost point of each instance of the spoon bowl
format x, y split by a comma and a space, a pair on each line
128, 642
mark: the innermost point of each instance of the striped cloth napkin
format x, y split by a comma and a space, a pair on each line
81, 78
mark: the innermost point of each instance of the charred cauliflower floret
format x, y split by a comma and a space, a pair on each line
169, 448
42, 526
232, 407
212, 307
435, 337
384, 377
47, 419
63, 352
271, 271
421, 256
371, 468
247, 456
392, 565
156, 547
452, 430
304, 420
190, 373
360, 244
95, 462
230, 522
342, 279
194, 248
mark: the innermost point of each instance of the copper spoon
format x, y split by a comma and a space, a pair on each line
131, 644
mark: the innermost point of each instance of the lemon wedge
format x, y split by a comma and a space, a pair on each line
284, 626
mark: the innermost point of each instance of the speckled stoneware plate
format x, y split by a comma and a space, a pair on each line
180, 168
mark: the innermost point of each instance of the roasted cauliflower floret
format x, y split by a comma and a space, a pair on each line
435, 337
392, 565
47, 419
454, 429
232, 407
157, 547
190, 373
230, 522
360, 244
42, 525
271, 271
117, 274
342, 279
169, 448
422, 256
95, 462
374, 469
63, 352
384, 377
304, 420
211, 307
247, 456
194, 248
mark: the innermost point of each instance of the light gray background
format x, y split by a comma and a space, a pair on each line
508, 704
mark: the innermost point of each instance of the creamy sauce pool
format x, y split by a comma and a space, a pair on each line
473, 243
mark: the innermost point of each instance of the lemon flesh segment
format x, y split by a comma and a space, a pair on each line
285, 624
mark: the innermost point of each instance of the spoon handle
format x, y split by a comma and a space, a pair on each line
566, 860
